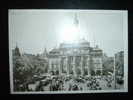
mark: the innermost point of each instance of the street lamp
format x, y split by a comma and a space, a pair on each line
114, 74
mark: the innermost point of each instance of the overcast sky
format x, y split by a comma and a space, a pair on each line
34, 30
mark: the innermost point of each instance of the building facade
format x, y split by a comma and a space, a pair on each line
76, 59
119, 63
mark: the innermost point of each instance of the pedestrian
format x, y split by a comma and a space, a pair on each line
70, 87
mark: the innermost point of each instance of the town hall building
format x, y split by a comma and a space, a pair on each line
77, 58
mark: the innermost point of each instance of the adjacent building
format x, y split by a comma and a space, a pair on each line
119, 63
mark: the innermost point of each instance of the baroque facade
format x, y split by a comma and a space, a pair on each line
76, 59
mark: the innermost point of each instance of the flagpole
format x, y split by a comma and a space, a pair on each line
114, 74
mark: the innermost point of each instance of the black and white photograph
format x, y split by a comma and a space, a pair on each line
68, 51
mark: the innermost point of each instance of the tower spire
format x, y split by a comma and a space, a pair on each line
44, 55
45, 51
17, 51
16, 45
76, 21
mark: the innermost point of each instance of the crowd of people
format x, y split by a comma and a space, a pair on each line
72, 83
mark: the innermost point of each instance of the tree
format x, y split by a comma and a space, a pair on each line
22, 73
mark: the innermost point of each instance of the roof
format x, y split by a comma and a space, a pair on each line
54, 50
83, 41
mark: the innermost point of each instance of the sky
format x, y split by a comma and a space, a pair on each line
35, 30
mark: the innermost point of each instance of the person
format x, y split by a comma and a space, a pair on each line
75, 87
39, 87
81, 88
70, 87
